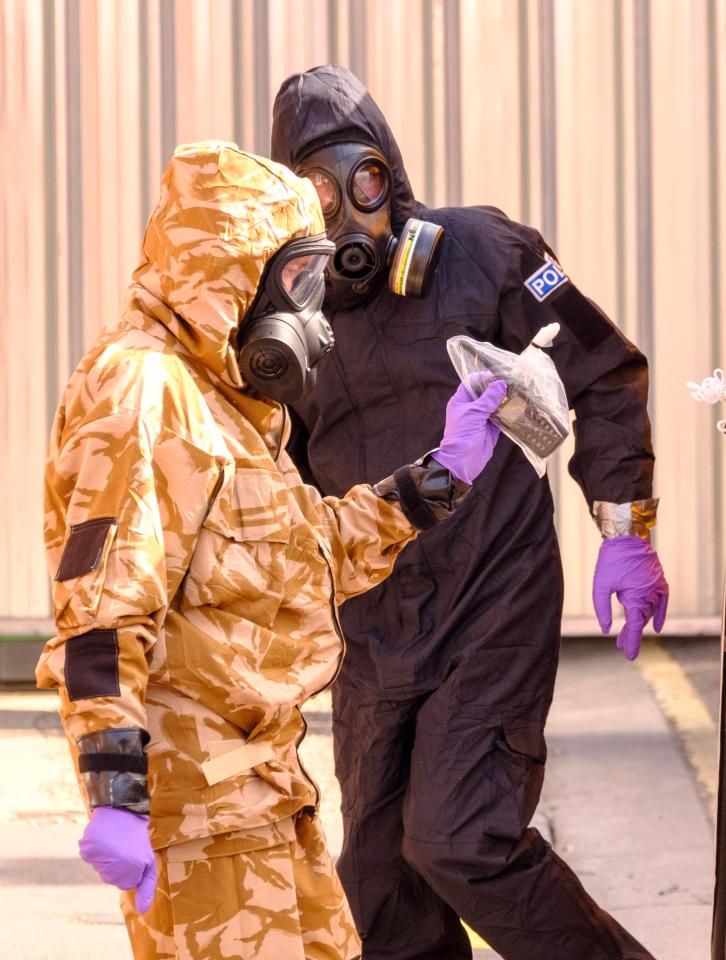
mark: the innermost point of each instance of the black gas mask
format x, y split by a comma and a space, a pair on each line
284, 332
353, 182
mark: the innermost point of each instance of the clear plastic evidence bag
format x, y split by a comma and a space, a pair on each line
534, 413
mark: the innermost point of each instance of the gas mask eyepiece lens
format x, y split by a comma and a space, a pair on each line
327, 190
369, 185
300, 277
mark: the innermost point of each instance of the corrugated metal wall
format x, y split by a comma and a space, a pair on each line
600, 121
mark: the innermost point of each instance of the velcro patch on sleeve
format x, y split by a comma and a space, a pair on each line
84, 548
91, 665
544, 281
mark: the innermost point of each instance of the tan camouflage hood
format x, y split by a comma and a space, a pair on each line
222, 214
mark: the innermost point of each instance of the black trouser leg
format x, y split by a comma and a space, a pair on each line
475, 782
461, 765
398, 915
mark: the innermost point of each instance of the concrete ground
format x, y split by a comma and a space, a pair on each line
628, 795
625, 805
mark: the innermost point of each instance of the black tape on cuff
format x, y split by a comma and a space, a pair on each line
414, 506
121, 762
111, 788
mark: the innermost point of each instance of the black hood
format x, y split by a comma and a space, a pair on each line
329, 103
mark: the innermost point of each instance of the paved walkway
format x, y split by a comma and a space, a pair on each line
623, 802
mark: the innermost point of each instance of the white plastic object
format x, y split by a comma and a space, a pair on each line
534, 413
546, 335
710, 390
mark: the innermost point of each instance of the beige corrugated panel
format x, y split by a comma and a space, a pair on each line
688, 446
603, 123
22, 310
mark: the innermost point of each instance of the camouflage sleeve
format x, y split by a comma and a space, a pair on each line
365, 532
362, 533
124, 503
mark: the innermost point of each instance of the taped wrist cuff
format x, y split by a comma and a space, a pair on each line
427, 491
114, 767
632, 519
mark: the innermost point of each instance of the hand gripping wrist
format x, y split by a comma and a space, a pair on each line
114, 767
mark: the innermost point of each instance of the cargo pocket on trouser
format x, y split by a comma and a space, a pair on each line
233, 895
520, 755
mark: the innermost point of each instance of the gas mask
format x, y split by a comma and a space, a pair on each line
284, 333
353, 182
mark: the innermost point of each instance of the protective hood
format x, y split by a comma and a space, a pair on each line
329, 103
222, 215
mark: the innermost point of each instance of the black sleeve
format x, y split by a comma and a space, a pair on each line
297, 448
605, 376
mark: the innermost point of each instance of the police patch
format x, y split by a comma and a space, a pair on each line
544, 281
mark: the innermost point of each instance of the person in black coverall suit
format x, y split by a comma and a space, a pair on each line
439, 710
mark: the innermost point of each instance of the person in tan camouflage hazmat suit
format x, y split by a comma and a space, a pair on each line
195, 577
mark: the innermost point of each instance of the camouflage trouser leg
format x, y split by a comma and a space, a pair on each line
264, 895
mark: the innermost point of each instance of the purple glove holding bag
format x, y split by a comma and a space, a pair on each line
469, 435
116, 844
629, 567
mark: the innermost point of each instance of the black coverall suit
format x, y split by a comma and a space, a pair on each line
439, 710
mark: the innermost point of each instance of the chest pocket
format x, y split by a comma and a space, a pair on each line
241, 550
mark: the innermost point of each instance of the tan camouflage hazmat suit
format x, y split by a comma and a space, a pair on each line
194, 575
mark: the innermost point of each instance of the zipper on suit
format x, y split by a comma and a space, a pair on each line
336, 624
282, 433
333, 609
339, 631
299, 740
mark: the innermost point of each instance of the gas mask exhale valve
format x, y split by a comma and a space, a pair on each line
284, 333
353, 182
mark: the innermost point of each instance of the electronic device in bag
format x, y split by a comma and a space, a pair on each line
534, 413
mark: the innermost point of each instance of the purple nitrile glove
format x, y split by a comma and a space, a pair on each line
469, 436
116, 844
629, 567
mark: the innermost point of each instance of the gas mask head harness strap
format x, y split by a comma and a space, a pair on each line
353, 182
284, 333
